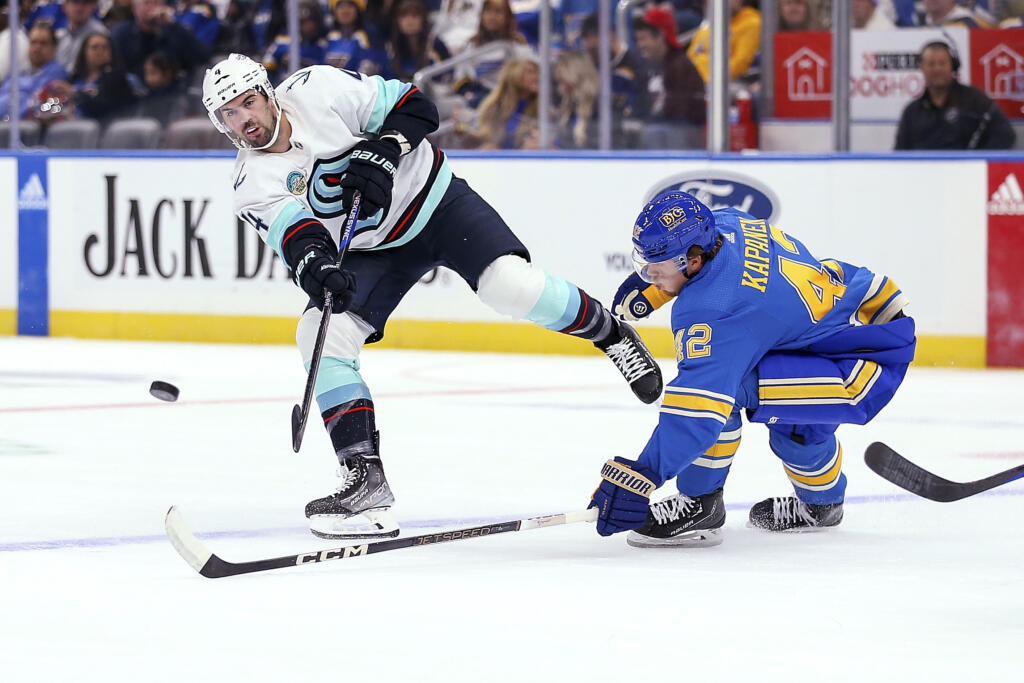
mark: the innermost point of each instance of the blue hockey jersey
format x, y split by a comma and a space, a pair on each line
765, 326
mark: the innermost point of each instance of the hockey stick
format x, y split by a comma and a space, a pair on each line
892, 466
301, 413
211, 566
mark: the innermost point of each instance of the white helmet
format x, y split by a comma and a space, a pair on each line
228, 79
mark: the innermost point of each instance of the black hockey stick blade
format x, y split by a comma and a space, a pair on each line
204, 561
893, 467
298, 426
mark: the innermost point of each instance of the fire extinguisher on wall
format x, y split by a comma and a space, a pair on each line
742, 127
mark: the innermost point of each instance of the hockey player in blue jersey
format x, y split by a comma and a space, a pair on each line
305, 149
760, 325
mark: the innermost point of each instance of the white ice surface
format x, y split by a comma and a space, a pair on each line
90, 589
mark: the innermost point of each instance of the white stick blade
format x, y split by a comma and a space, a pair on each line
188, 546
588, 515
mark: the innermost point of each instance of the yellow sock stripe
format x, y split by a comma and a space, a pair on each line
712, 464
723, 449
821, 479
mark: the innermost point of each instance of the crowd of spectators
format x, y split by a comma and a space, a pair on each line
111, 59
816, 15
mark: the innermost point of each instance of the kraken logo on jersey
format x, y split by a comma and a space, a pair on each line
296, 182
324, 192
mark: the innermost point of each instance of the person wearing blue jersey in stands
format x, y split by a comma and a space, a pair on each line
761, 326
354, 44
312, 43
200, 17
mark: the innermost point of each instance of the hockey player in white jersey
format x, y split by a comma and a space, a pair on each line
305, 149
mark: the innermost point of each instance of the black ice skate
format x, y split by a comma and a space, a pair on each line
792, 514
634, 361
682, 522
360, 508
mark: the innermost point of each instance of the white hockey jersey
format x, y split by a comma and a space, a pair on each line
330, 111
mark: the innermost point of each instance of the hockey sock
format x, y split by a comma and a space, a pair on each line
345, 404
338, 381
566, 308
351, 427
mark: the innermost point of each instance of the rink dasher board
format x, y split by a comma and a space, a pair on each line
143, 247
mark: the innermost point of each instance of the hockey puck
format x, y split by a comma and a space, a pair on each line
165, 391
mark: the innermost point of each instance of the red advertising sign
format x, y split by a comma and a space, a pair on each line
1005, 206
803, 74
997, 67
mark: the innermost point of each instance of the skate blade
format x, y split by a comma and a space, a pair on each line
794, 530
373, 523
702, 538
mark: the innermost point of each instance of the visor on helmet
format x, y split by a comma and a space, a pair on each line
642, 265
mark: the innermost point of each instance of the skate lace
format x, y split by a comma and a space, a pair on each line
348, 477
628, 359
671, 509
789, 510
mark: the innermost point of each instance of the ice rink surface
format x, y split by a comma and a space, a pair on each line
904, 590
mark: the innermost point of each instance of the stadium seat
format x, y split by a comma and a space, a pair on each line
28, 131
73, 134
141, 133
196, 132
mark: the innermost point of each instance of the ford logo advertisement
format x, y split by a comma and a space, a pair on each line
721, 190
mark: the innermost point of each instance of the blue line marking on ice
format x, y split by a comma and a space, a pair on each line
115, 541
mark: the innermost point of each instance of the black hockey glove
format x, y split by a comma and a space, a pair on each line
371, 170
316, 269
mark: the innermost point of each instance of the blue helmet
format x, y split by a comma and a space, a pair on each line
668, 226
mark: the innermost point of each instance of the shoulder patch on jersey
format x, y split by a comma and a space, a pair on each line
296, 182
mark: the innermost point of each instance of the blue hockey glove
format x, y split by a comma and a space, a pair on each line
636, 299
371, 170
623, 498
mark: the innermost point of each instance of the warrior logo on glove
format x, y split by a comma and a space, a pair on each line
626, 478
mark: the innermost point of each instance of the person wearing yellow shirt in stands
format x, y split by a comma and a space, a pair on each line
744, 40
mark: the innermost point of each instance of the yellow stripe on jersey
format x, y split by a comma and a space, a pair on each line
861, 380
820, 480
697, 400
880, 307
822, 390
